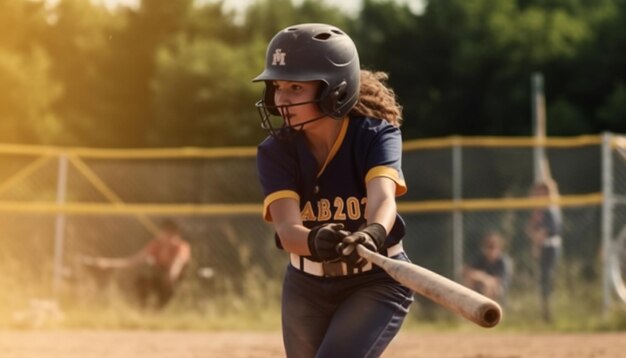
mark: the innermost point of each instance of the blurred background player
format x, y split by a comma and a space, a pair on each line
544, 231
490, 271
330, 171
160, 265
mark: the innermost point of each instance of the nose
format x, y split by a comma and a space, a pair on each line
280, 99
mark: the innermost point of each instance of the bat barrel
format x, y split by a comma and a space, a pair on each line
447, 293
490, 315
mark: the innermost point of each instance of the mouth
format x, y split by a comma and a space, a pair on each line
287, 116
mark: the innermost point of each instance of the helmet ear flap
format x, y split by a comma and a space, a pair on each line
332, 102
268, 99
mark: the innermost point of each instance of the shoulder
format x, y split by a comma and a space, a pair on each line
272, 150
372, 125
183, 246
269, 144
370, 130
274, 147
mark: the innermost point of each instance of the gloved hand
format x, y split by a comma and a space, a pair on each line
372, 237
324, 240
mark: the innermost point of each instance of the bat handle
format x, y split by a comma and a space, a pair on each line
347, 249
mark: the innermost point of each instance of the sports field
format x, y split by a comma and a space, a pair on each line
138, 344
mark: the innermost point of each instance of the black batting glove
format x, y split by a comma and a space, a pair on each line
324, 240
372, 237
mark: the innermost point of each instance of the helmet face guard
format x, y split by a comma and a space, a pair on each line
310, 52
276, 119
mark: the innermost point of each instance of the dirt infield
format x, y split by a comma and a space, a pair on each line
139, 344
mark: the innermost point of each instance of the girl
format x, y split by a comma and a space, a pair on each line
330, 171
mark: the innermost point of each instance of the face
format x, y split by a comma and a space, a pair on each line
299, 97
165, 234
491, 248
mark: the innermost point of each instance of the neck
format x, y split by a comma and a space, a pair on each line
324, 132
321, 136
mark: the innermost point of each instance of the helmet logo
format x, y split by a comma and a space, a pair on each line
279, 57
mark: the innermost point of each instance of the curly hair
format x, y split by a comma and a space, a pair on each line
376, 99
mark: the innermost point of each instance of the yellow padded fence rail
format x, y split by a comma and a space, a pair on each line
254, 209
154, 153
117, 207
191, 152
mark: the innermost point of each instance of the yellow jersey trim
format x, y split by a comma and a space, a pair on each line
281, 194
336, 145
388, 172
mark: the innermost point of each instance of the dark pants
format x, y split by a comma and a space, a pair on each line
349, 316
153, 281
548, 265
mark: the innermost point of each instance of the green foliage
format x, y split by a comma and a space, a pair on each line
199, 90
78, 40
612, 114
172, 73
27, 95
27, 89
614, 319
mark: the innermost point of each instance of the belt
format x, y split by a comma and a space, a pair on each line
338, 268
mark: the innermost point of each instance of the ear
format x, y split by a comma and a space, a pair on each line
334, 100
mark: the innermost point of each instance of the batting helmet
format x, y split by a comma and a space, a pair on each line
311, 52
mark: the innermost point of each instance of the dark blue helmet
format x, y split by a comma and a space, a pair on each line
311, 52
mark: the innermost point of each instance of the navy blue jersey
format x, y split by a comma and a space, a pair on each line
365, 149
550, 220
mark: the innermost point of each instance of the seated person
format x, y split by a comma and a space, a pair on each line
161, 264
489, 273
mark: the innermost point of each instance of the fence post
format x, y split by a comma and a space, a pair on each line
539, 127
59, 228
607, 217
457, 213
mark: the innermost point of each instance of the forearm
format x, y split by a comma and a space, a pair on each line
381, 207
177, 268
112, 263
293, 238
382, 212
289, 227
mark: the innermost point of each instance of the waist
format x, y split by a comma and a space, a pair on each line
337, 268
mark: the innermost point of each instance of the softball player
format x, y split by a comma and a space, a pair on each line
544, 229
330, 171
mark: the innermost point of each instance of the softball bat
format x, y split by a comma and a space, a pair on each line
441, 290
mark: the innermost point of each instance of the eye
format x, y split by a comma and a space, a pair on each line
295, 87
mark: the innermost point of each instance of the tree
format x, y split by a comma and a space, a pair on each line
27, 90
464, 67
203, 95
78, 41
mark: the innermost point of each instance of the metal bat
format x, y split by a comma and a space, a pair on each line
447, 293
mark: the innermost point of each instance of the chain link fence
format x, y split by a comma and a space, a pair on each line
58, 203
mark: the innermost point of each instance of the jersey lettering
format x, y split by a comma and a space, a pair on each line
307, 213
323, 210
350, 208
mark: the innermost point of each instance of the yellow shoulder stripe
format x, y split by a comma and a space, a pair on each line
388, 172
281, 194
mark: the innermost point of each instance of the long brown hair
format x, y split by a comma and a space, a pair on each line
376, 99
